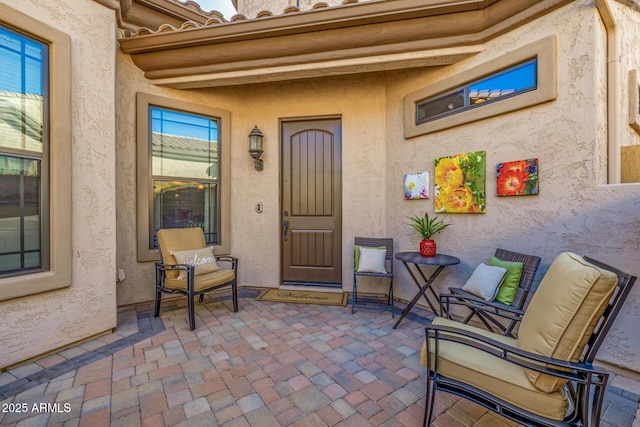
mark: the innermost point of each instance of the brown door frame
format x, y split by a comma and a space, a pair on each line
338, 224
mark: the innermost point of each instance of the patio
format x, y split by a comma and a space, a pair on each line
270, 364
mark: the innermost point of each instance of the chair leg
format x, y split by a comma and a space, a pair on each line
429, 402
354, 295
156, 313
201, 298
393, 315
234, 296
191, 309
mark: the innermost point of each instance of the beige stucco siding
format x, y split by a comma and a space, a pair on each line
255, 237
574, 210
36, 324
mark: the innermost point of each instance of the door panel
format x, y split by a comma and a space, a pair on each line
311, 202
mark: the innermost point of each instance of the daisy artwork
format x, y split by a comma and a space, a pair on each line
460, 183
517, 178
416, 186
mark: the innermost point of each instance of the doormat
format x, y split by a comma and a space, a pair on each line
304, 297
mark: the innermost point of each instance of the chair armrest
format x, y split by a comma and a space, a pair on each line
230, 259
161, 266
582, 373
475, 303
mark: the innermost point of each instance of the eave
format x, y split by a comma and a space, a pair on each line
348, 39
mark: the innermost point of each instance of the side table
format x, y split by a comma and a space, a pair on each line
416, 260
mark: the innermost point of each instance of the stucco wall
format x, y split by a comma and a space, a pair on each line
255, 237
30, 326
140, 277
573, 211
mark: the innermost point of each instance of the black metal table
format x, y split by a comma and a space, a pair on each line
415, 259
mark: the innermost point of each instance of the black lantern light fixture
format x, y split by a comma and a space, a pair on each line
255, 147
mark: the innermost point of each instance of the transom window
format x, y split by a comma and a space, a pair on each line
185, 172
23, 151
513, 81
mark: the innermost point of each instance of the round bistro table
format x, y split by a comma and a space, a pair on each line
412, 262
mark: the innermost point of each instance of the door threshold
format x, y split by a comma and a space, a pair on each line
315, 288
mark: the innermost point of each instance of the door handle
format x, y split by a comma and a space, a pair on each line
286, 228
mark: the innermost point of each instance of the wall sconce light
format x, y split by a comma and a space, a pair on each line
255, 148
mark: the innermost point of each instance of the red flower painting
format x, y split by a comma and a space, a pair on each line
518, 178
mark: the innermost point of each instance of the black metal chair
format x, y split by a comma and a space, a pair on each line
545, 377
174, 278
488, 311
373, 242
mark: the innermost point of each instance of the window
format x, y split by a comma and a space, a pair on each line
511, 82
35, 120
183, 171
23, 148
520, 79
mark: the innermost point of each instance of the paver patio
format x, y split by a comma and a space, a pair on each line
270, 364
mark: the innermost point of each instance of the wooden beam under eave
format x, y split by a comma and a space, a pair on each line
320, 69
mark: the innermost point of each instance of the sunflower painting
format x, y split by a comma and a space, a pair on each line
460, 183
519, 178
416, 186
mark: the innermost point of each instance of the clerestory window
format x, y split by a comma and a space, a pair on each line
507, 83
519, 79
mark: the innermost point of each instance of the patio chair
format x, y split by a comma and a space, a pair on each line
190, 268
375, 261
545, 377
489, 311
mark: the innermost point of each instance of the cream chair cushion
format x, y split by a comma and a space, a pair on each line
485, 281
179, 239
372, 260
496, 376
203, 281
563, 313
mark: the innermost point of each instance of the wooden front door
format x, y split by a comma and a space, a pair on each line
311, 221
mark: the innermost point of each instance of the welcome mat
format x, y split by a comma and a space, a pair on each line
304, 297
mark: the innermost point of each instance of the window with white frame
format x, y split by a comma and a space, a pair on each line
23, 153
183, 171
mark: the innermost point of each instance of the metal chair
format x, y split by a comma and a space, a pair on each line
545, 377
487, 311
169, 278
373, 242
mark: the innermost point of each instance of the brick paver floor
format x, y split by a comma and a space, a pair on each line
270, 364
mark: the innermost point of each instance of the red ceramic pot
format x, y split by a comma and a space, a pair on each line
427, 248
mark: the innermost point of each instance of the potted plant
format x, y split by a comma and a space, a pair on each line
427, 227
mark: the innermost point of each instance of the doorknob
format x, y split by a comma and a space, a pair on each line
286, 228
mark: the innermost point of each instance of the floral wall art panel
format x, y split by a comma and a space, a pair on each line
517, 178
460, 183
416, 186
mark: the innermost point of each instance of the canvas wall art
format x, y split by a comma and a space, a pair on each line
517, 178
416, 186
460, 183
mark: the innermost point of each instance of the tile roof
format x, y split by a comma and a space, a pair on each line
216, 18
